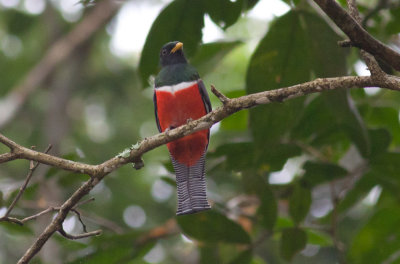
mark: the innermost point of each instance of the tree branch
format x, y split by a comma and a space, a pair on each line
235, 104
359, 37
372, 64
134, 154
80, 236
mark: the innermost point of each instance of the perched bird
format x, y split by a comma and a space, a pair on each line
180, 96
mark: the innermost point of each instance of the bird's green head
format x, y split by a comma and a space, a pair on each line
172, 53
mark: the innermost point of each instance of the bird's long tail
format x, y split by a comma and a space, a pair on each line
191, 187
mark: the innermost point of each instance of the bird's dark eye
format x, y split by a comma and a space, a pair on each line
164, 52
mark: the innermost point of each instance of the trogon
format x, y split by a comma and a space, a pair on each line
180, 96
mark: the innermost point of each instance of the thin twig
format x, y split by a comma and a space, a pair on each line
80, 219
104, 222
345, 43
46, 211
224, 100
80, 236
11, 220
43, 212
32, 168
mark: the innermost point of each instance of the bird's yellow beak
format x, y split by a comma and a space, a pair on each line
178, 46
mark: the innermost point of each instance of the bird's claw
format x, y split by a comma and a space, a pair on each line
169, 128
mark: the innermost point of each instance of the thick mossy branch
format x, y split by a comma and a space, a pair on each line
359, 37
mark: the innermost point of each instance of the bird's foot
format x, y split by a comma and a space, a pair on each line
189, 120
169, 128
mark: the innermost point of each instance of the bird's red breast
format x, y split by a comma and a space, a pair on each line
175, 105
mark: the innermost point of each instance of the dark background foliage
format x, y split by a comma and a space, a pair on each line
311, 180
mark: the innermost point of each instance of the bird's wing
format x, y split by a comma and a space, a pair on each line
155, 111
204, 96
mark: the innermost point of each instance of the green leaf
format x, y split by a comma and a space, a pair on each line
275, 158
239, 120
293, 240
212, 226
386, 117
299, 202
18, 23
115, 248
140, 252
51, 172
70, 245
258, 260
315, 120
238, 155
283, 222
319, 172
71, 180
111, 255
378, 239
244, 257
249, 4
14, 229
329, 60
254, 183
380, 140
181, 20
275, 63
385, 170
209, 55
393, 26
223, 13
316, 237
209, 254
360, 190
347, 117
317, 128
268, 210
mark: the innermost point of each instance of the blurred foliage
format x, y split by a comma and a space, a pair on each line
288, 182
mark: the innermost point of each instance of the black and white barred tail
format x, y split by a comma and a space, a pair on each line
191, 187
